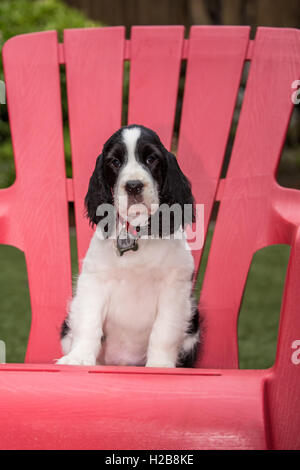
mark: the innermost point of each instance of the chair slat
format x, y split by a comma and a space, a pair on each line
94, 70
156, 53
216, 58
248, 219
36, 208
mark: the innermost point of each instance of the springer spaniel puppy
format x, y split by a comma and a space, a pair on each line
134, 304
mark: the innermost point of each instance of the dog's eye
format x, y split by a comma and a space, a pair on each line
115, 163
151, 159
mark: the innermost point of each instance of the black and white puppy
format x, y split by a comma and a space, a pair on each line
135, 307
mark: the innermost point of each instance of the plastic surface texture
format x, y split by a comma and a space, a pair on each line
216, 406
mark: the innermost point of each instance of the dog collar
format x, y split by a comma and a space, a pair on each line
127, 239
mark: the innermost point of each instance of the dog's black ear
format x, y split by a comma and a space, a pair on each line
98, 193
176, 189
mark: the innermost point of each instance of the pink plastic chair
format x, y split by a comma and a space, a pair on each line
45, 406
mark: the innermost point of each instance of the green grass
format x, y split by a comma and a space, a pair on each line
260, 311
258, 318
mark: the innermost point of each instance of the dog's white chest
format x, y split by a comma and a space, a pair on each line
131, 312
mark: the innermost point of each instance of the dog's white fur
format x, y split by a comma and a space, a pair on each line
133, 171
134, 309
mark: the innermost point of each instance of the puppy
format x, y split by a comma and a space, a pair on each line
133, 303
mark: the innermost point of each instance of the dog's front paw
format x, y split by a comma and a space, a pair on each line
160, 364
76, 359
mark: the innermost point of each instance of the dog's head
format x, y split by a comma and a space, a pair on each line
137, 174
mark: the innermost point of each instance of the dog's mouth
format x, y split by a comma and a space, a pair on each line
136, 209
137, 213
135, 199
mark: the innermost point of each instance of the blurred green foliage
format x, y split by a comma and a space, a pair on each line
26, 16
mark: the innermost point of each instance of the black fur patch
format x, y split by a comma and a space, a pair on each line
64, 329
188, 359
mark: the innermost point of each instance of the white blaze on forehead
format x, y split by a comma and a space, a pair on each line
134, 170
130, 138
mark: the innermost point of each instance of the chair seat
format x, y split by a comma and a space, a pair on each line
131, 408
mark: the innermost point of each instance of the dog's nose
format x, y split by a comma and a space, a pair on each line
134, 187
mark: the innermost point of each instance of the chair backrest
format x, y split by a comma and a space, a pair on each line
254, 210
